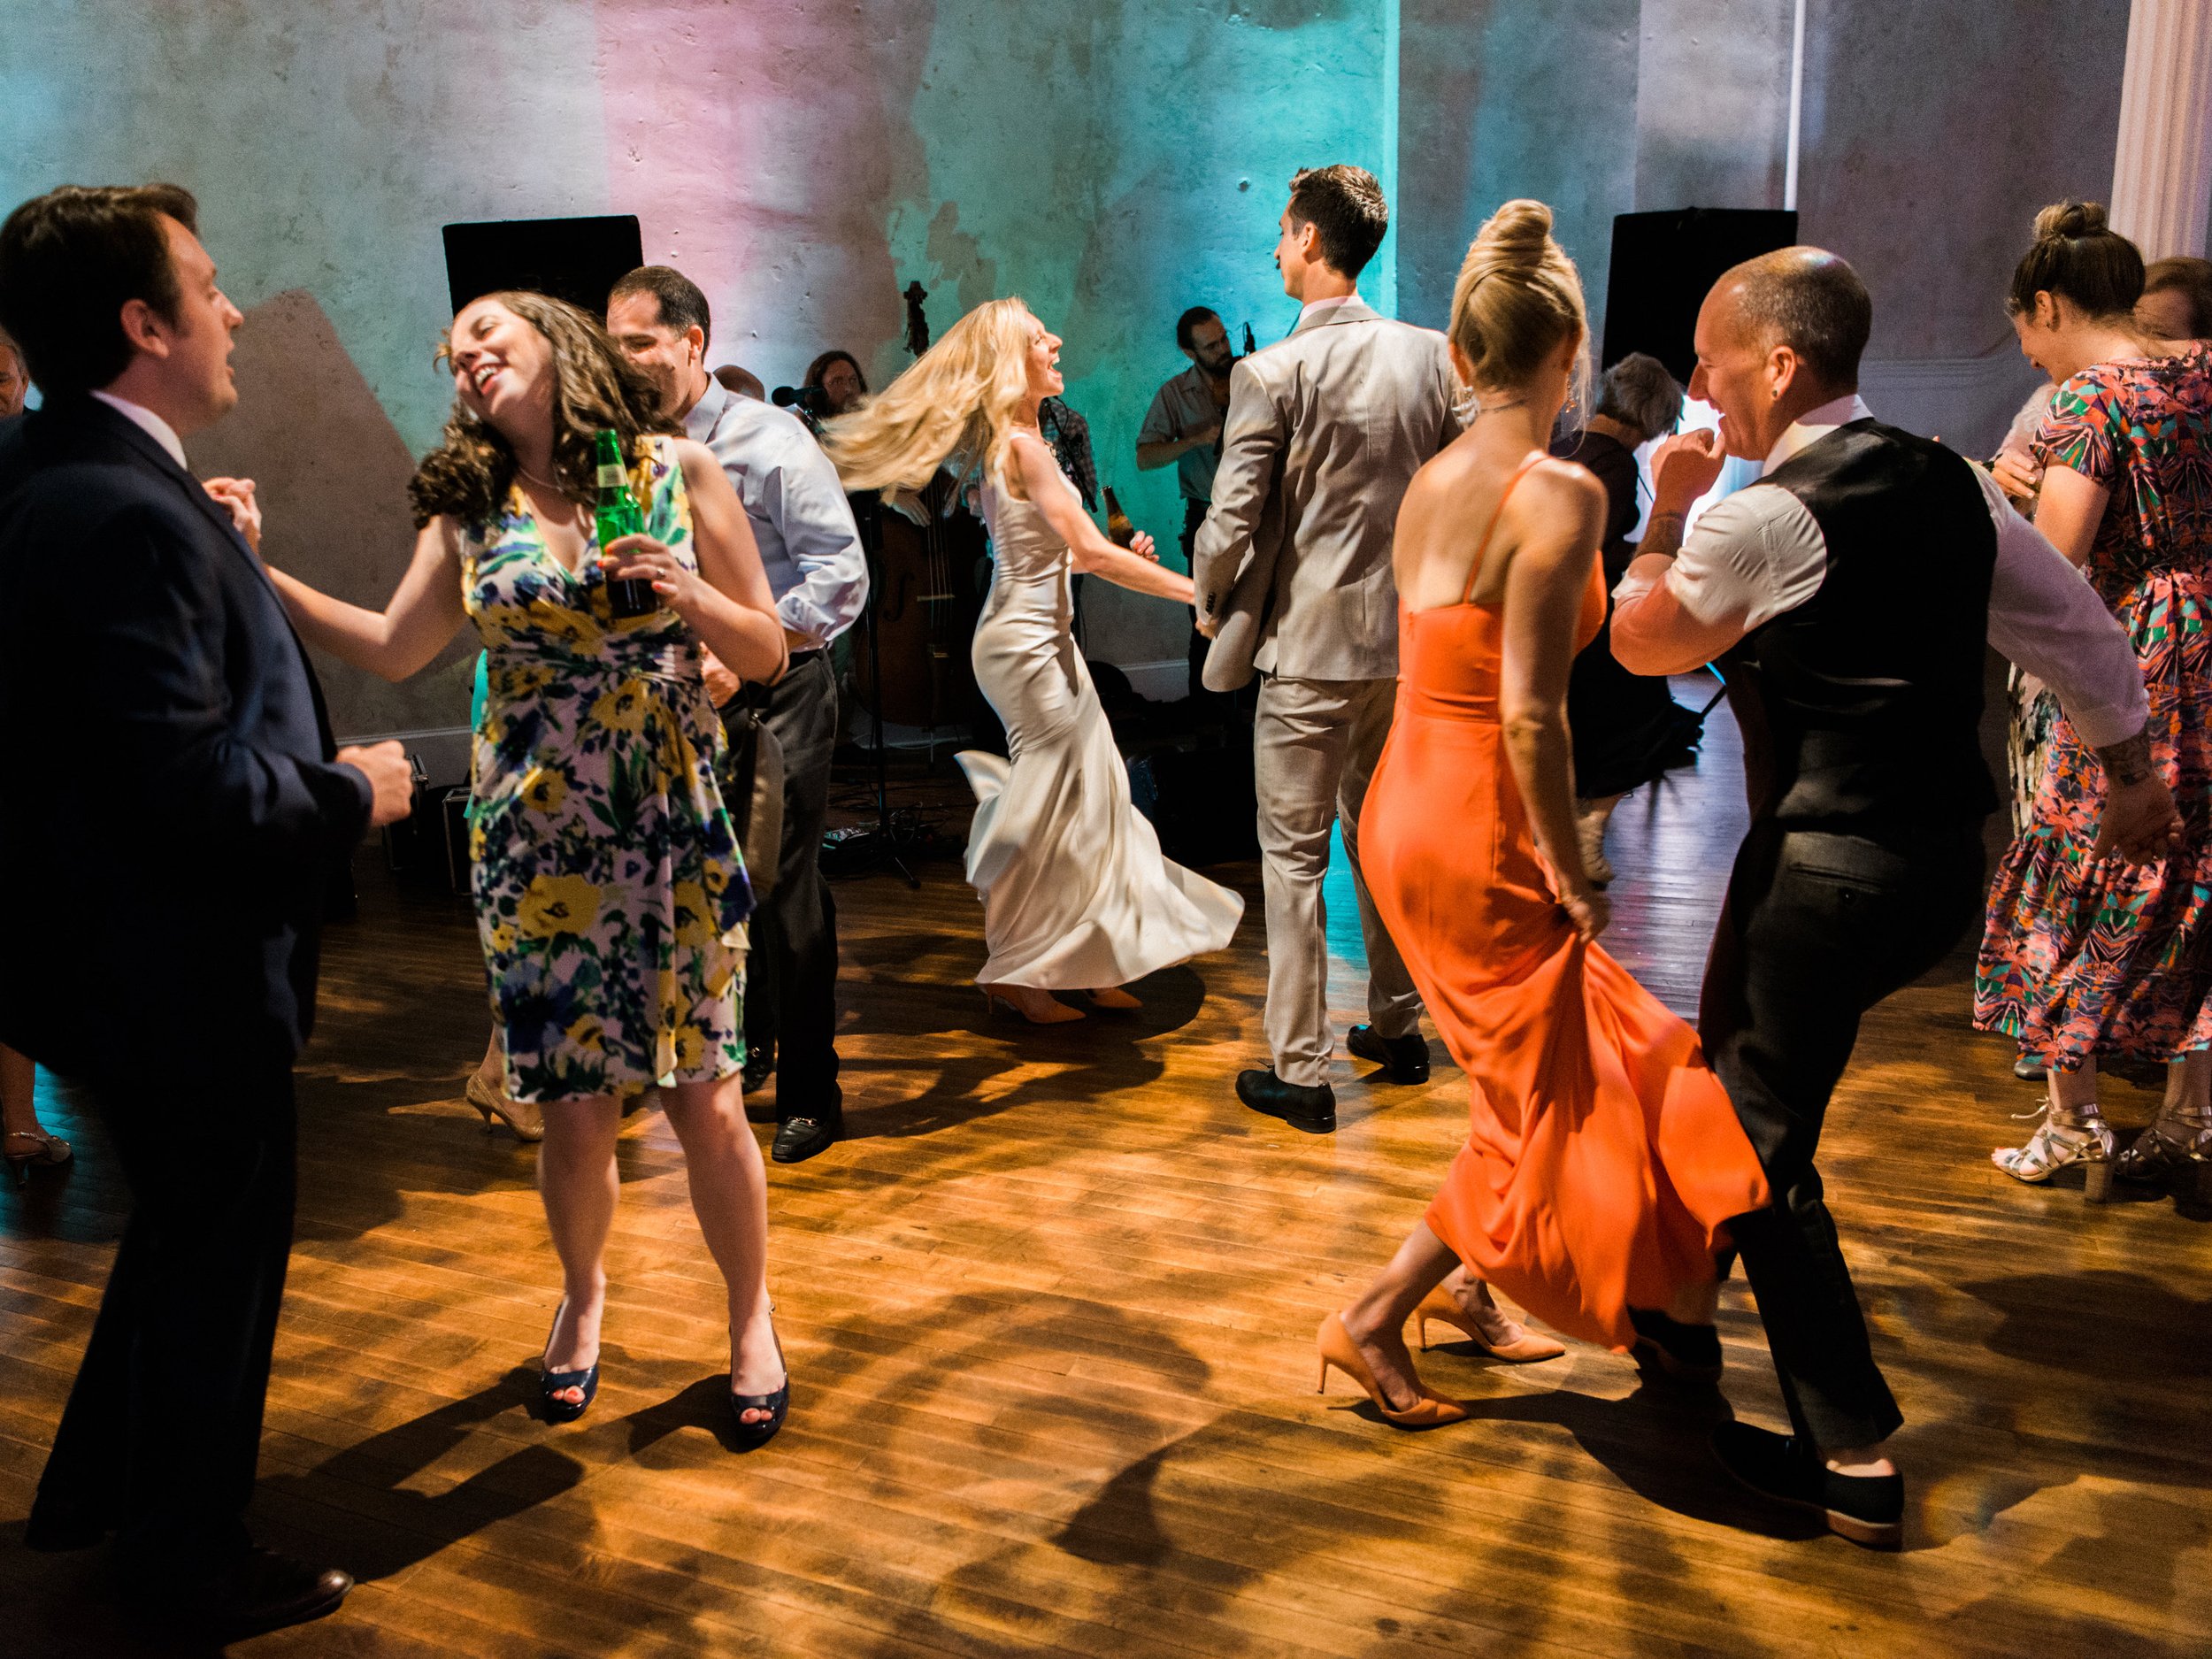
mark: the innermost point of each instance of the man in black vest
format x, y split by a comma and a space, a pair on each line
1850, 594
172, 810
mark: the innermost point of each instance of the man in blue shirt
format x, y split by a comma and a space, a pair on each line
818, 573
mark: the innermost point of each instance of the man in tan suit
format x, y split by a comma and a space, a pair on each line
1325, 431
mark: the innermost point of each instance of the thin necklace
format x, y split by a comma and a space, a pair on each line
1498, 409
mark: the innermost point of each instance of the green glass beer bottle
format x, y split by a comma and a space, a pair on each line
619, 515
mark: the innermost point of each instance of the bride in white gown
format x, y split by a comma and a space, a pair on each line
1076, 894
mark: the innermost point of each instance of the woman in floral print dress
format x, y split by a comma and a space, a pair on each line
2084, 956
611, 897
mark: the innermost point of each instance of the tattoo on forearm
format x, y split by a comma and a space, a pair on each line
1662, 535
2127, 761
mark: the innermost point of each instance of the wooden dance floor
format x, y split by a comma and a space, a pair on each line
1050, 1315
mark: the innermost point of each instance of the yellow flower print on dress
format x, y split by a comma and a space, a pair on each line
544, 790
695, 914
554, 906
570, 627
690, 1048
621, 710
521, 680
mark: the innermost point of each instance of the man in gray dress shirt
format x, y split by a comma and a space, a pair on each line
811, 548
1291, 568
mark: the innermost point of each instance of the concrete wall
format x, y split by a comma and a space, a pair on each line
1113, 161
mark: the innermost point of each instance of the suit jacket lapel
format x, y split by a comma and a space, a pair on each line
149, 449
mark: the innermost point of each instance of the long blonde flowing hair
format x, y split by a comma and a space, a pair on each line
958, 402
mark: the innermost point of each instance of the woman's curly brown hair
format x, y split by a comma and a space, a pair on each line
595, 387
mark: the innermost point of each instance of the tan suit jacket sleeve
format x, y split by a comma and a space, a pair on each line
1233, 557
1252, 438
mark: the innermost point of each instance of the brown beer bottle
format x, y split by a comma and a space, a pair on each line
1119, 531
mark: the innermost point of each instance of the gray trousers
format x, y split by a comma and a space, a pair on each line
1314, 747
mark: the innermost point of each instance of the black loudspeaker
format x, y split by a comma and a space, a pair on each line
572, 259
1665, 263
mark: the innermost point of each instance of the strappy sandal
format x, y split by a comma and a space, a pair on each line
2064, 1138
2175, 1141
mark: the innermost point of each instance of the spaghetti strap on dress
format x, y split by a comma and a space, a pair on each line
1603, 1159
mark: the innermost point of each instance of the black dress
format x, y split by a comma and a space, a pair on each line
1627, 729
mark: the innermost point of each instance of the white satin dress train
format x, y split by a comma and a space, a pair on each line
1076, 893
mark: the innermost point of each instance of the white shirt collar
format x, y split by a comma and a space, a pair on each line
1814, 425
1314, 308
698, 420
155, 427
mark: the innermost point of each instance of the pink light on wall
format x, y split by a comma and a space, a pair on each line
760, 144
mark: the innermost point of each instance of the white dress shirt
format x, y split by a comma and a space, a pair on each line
1759, 552
159, 430
1322, 308
809, 544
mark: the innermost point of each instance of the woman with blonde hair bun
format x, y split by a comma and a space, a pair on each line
1076, 894
1603, 1158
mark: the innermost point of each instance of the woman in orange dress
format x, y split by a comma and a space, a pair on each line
1603, 1159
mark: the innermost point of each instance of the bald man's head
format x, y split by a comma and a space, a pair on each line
1805, 298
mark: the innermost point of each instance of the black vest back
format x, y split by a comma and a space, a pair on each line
1862, 707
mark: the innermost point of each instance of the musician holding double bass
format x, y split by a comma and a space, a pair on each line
819, 574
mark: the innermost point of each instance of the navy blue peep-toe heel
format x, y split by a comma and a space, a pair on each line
553, 1382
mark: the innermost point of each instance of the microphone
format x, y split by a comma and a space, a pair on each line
812, 399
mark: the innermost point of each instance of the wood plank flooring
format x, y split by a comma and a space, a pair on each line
1049, 1314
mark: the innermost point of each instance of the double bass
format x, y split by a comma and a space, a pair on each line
927, 600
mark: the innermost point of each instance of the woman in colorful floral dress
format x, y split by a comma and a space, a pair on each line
2084, 955
611, 897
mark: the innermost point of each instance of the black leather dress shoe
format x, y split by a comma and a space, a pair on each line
799, 1137
760, 1065
55, 1528
1405, 1058
1312, 1110
258, 1590
1868, 1509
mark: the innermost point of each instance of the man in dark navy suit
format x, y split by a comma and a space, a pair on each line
171, 809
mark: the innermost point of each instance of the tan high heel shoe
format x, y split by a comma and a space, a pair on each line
29, 1147
522, 1117
996, 999
1524, 1349
1113, 996
1334, 1346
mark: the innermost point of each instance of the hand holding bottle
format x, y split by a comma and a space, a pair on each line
640, 558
